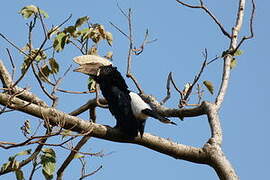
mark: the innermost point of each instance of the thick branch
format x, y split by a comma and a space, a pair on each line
8, 83
76, 124
225, 80
228, 57
219, 162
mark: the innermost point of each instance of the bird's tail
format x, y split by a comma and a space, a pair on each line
154, 114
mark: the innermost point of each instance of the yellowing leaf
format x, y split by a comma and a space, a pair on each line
30, 10
44, 73
81, 21
109, 55
109, 38
48, 162
209, 86
60, 41
91, 84
26, 152
233, 63
238, 52
77, 156
19, 174
54, 65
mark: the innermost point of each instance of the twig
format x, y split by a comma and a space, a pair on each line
75, 92
12, 63
90, 174
122, 32
41, 84
29, 159
121, 10
57, 84
42, 24
168, 87
90, 104
214, 59
250, 28
197, 77
202, 6
70, 157
129, 74
228, 57
37, 53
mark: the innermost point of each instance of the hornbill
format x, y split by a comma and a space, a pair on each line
128, 108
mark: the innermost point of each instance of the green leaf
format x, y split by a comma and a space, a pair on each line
101, 30
209, 86
28, 11
25, 152
109, 55
44, 13
70, 29
5, 166
81, 21
48, 161
26, 63
39, 54
49, 152
44, 73
91, 84
19, 174
238, 52
109, 38
233, 63
93, 51
54, 65
78, 155
60, 41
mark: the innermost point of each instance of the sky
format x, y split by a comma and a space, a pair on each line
182, 35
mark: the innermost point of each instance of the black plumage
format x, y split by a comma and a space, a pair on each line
128, 108
115, 91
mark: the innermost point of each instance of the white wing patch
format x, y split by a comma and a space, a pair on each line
137, 105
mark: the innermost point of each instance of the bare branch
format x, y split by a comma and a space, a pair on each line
7, 82
90, 174
70, 157
76, 124
202, 6
250, 28
197, 77
12, 63
90, 104
129, 74
168, 87
122, 32
228, 57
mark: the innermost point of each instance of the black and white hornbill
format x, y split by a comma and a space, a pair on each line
128, 108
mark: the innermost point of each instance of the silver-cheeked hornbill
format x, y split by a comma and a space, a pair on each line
128, 108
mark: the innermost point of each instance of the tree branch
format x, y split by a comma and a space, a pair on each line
202, 6
228, 57
8, 83
55, 117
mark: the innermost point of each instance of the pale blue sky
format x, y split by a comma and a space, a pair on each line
182, 35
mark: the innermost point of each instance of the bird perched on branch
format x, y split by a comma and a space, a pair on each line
128, 108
